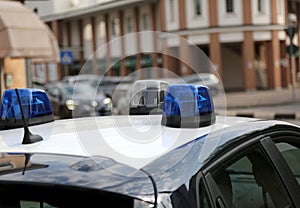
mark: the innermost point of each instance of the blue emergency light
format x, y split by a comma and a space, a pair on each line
188, 106
35, 105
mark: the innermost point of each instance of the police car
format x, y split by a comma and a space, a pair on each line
182, 155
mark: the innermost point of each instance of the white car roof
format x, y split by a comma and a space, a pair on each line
131, 140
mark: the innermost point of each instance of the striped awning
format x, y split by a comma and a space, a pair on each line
24, 35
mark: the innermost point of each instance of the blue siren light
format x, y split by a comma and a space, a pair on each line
35, 104
188, 106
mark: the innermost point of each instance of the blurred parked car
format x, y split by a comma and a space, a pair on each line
80, 100
208, 79
106, 84
133, 94
121, 97
90, 78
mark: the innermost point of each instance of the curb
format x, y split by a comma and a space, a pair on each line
263, 115
247, 105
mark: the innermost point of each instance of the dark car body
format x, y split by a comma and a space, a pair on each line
69, 100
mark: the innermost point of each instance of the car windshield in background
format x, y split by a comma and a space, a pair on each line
208, 79
78, 89
77, 100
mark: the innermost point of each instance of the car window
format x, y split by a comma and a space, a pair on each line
203, 196
33, 204
79, 89
250, 180
53, 91
51, 195
291, 154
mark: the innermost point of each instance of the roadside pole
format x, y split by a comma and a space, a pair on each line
291, 30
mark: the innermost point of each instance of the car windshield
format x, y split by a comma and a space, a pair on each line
82, 89
199, 77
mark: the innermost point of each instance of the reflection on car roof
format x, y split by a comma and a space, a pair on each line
107, 137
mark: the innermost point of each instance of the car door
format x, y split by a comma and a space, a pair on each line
263, 171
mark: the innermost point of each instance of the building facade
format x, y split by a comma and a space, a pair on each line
245, 40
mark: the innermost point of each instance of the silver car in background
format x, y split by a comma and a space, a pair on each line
207, 79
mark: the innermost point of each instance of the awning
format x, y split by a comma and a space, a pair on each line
23, 34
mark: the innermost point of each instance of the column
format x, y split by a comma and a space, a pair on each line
137, 29
248, 49
123, 67
285, 75
162, 14
215, 53
107, 36
183, 47
274, 50
57, 30
80, 31
274, 71
94, 37
182, 14
155, 40
248, 61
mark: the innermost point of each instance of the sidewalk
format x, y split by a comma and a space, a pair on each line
258, 104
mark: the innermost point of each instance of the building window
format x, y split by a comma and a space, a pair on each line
129, 24
198, 7
229, 6
260, 6
115, 27
172, 10
145, 20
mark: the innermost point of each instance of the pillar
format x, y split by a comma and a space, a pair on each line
248, 61
123, 67
215, 45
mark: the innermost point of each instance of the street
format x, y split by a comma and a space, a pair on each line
281, 112
264, 104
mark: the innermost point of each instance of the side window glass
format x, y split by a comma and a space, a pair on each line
15, 203
54, 92
32, 204
291, 154
203, 196
249, 180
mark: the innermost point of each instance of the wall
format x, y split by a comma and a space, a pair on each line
43, 7
226, 19
232, 70
16, 67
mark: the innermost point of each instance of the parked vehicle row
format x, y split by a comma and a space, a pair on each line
80, 100
187, 156
92, 95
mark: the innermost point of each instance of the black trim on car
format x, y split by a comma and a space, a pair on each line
264, 138
283, 169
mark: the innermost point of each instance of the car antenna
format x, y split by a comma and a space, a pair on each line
28, 138
27, 158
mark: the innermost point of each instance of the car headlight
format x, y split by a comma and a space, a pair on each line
71, 104
107, 101
94, 103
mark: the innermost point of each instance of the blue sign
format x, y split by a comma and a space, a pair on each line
66, 57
